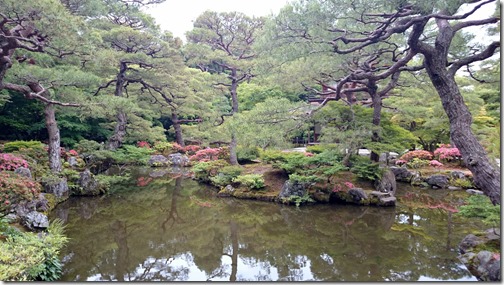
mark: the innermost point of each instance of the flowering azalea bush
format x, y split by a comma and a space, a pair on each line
15, 188
143, 144
420, 154
448, 153
308, 154
344, 187
72, 152
400, 162
206, 154
189, 149
435, 163
11, 162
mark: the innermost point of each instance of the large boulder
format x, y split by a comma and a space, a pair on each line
23, 171
481, 255
177, 159
438, 180
57, 186
387, 184
88, 185
291, 188
35, 220
402, 174
357, 194
158, 160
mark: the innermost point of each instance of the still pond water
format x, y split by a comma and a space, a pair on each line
174, 229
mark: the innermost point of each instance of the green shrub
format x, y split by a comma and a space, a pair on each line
17, 145
134, 155
246, 154
163, 148
204, 170
295, 178
480, 206
252, 181
366, 169
15, 188
30, 256
297, 200
462, 182
416, 163
87, 146
274, 156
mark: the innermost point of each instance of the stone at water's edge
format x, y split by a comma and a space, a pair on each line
440, 181
293, 189
35, 220
226, 191
402, 174
475, 192
482, 263
178, 159
387, 183
357, 194
57, 186
158, 160
89, 186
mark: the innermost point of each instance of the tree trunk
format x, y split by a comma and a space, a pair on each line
116, 140
377, 106
178, 130
54, 138
235, 247
486, 176
233, 157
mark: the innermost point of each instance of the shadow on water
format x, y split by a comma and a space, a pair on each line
166, 228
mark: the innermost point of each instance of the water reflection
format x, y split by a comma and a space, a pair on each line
172, 229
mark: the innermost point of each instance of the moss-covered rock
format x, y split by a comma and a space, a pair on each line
481, 254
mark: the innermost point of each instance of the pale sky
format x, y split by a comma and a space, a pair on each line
177, 16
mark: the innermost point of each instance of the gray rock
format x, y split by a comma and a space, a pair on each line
293, 189
88, 184
457, 174
357, 194
378, 194
454, 188
35, 220
387, 201
387, 183
475, 192
403, 174
469, 242
57, 186
438, 180
11, 218
158, 160
226, 191
178, 159
23, 171
72, 161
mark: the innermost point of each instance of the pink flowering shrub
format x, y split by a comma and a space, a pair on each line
143, 144
420, 154
15, 188
343, 187
11, 162
206, 154
400, 162
448, 153
435, 163
189, 150
308, 154
72, 152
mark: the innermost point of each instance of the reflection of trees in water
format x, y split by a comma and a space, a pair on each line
138, 235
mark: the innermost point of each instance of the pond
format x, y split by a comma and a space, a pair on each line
174, 229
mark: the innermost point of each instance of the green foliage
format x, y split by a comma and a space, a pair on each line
163, 148
18, 145
246, 154
252, 181
271, 156
480, 206
87, 146
226, 175
30, 256
366, 169
416, 163
204, 170
298, 201
295, 178
462, 182
316, 149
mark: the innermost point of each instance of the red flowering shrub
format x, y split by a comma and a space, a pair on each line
400, 162
10, 162
189, 150
15, 188
143, 144
72, 152
435, 163
420, 154
206, 154
308, 154
448, 153
343, 187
